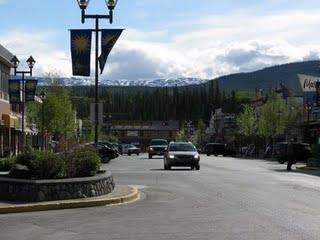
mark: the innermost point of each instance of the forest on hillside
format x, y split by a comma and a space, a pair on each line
168, 103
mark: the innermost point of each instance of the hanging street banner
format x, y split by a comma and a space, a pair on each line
109, 38
80, 51
30, 89
14, 91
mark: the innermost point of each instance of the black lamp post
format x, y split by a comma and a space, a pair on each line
43, 96
308, 107
15, 63
279, 118
83, 4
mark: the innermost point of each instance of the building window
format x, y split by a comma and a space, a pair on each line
4, 85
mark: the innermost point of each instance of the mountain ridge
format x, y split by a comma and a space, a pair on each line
264, 79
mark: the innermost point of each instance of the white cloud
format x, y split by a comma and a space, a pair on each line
222, 44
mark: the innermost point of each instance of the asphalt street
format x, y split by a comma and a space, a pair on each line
228, 198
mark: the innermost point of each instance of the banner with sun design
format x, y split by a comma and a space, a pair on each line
14, 91
80, 51
109, 38
30, 89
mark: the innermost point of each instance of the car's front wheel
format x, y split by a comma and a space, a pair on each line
198, 167
129, 153
281, 160
105, 159
150, 156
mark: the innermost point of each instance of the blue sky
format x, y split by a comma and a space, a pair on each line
167, 38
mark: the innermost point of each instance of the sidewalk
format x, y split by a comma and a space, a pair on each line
121, 194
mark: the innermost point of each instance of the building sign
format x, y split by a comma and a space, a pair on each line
309, 83
311, 89
132, 134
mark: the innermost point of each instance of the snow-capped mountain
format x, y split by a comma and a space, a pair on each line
169, 82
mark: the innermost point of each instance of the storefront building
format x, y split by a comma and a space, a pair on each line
8, 135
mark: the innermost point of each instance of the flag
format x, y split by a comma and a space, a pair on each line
14, 91
80, 51
30, 89
108, 39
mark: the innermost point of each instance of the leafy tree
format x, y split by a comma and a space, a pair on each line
274, 118
58, 114
247, 121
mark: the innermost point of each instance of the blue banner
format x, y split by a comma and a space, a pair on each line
80, 51
14, 91
109, 38
30, 89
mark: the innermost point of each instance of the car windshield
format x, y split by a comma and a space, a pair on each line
184, 147
158, 142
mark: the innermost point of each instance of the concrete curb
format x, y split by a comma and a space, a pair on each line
131, 194
308, 168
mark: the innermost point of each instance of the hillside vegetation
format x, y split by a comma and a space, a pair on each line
270, 77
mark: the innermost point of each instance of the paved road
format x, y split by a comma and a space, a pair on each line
227, 199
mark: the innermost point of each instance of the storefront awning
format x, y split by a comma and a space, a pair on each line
30, 131
9, 120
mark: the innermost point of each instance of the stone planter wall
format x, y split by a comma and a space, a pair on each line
48, 190
313, 162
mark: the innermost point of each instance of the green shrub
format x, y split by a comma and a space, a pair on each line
42, 165
7, 163
82, 164
47, 165
25, 158
78, 162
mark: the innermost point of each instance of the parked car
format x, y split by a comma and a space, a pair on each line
219, 149
157, 147
111, 146
104, 151
181, 154
302, 151
129, 149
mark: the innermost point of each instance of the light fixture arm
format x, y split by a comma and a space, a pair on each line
83, 6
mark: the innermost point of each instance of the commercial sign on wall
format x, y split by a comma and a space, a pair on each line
309, 83
311, 89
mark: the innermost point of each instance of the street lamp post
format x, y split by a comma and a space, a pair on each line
308, 122
15, 63
279, 126
83, 5
43, 96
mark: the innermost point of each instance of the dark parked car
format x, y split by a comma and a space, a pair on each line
219, 149
181, 154
157, 147
104, 151
111, 146
302, 151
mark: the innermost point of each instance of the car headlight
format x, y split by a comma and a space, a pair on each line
196, 156
151, 149
171, 156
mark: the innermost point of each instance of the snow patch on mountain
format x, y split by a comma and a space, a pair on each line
168, 82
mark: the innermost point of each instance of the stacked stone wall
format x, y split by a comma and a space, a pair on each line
60, 189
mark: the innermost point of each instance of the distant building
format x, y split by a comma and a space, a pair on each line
222, 126
141, 132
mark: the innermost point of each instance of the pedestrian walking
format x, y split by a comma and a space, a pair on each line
290, 154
